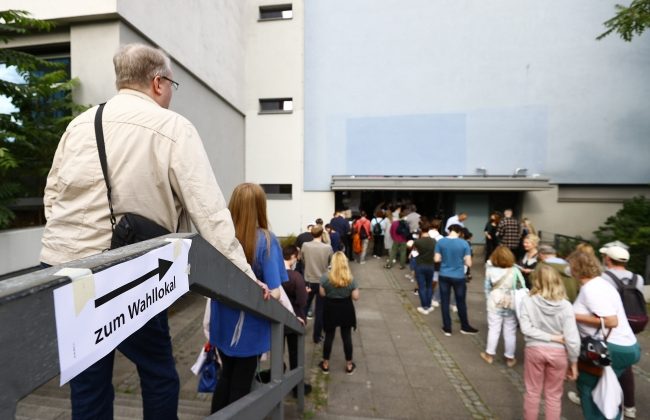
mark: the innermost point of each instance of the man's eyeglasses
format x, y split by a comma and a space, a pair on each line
175, 85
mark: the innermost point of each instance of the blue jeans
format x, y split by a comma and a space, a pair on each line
446, 284
150, 348
424, 276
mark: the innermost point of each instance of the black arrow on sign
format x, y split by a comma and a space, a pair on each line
161, 270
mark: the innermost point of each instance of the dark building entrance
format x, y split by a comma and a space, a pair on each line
435, 204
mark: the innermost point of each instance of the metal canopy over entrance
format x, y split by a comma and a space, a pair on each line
440, 183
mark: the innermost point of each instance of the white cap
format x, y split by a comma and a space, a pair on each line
615, 252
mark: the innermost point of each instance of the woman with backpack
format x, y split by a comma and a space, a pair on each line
362, 227
552, 341
378, 226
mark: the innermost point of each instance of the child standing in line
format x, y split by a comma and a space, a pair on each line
551, 334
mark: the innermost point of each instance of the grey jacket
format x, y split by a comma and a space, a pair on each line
540, 318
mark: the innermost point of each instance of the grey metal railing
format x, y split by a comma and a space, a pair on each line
28, 349
563, 244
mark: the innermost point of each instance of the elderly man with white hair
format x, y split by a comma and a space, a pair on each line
158, 169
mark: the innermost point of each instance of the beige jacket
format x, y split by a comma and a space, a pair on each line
158, 169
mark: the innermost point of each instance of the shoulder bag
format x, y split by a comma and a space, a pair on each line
594, 354
131, 228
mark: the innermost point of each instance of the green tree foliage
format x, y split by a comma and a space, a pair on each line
630, 225
629, 21
29, 136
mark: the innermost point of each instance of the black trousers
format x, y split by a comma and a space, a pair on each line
292, 346
347, 240
235, 381
378, 246
346, 336
318, 310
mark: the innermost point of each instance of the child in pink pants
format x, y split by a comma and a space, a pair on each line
551, 334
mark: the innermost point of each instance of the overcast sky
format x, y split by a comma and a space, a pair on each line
8, 74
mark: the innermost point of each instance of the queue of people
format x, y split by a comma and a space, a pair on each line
559, 310
570, 301
315, 268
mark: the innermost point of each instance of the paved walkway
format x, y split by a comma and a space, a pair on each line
406, 367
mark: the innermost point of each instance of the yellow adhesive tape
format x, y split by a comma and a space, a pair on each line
178, 246
83, 286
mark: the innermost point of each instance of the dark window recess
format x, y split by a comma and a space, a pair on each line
276, 105
277, 191
276, 11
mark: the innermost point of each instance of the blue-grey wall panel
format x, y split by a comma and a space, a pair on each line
406, 145
534, 86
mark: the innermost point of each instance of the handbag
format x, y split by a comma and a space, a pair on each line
209, 372
131, 228
608, 394
502, 298
594, 354
357, 247
520, 292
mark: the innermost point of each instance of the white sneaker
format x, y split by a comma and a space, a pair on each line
362, 262
574, 397
454, 308
422, 310
629, 412
435, 303
431, 309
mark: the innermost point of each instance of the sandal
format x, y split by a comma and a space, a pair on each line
324, 369
511, 362
350, 369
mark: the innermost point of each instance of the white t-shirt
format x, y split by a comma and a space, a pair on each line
598, 297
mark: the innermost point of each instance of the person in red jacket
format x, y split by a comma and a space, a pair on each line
362, 227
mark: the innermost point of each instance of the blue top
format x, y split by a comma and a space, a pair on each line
335, 241
453, 252
255, 336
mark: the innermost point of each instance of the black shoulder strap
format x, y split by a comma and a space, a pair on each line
101, 148
618, 281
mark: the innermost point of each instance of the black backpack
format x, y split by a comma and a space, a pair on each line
363, 233
633, 302
376, 229
403, 229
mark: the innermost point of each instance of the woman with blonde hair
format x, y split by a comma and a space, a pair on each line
339, 289
599, 302
501, 278
551, 335
529, 260
241, 337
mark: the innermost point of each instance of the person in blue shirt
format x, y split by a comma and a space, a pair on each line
241, 337
454, 254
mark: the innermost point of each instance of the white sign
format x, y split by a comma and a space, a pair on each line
96, 312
